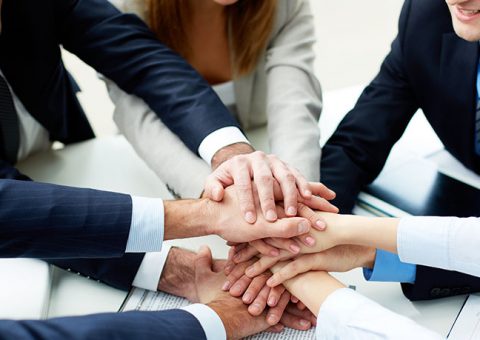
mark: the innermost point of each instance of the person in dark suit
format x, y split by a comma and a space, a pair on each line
432, 65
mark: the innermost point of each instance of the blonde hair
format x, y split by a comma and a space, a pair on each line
251, 23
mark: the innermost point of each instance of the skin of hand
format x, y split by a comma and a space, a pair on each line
234, 165
237, 321
228, 223
178, 275
191, 218
282, 315
312, 288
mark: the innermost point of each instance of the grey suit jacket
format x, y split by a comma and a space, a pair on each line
281, 93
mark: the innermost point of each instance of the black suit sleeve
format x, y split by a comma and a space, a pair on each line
357, 151
122, 48
169, 324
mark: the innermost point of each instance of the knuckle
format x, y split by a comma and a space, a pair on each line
265, 179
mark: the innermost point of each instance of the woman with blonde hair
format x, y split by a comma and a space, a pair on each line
257, 55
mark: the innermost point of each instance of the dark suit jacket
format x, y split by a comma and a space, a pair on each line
48, 221
428, 67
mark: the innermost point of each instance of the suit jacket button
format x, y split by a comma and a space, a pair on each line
445, 292
435, 292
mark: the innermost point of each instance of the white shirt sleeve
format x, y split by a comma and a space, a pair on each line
147, 226
346, 314
210, 321
219, 139
452, 242
151, 268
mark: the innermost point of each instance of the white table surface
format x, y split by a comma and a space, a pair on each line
111, 164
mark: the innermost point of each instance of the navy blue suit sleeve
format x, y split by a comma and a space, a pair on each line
49, 221
356, 153
169, 324
122, 48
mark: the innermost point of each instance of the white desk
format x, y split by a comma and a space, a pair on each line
111, 164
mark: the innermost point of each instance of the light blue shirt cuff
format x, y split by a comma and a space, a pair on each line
389, 268
209, 320
146, 230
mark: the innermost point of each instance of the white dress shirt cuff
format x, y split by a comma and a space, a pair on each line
211, 323
219, 139
146, 230
151, 268
346, 314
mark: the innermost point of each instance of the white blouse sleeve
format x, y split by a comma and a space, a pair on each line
346, 314
452, 242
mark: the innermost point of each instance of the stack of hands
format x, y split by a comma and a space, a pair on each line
280, 233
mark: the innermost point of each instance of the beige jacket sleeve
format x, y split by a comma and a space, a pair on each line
181, 170
294, 100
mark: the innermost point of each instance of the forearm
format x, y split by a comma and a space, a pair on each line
186, 218
375, 232
312, 288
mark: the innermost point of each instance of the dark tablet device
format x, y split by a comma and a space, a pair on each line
419, 189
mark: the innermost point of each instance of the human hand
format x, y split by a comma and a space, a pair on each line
224, 219
237, 321
178, 275
265, 171
338, 259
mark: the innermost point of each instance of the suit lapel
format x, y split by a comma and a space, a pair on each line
458, 74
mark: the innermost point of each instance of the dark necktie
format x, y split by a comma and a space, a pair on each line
10, 136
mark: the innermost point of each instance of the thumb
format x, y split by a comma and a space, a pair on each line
203, 262
214, 189
286, 228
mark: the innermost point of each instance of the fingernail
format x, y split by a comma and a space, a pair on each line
271, 282
272, 319
255, 307
271, 215
310, 241
304, 323
320, 224
307, 193
274, 252
303, 227
294, 248
292, 211
226, 286
249, 217
272, 301
236, 289
247, 298
331, 192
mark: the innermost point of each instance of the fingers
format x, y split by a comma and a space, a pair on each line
245, 254
261, 266
258, 305
254, 288
302, 184
295, 322
319, 189
243, 188
263, 178
275, 313
287, 244
286, 179
230, 262
305, 313
300, 265
274, 295
284, 228
307, 239
236, 273
311, 216
240, 286
264, 248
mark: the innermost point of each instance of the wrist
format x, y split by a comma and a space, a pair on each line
185, 218
230, 151
178, 275
368, 258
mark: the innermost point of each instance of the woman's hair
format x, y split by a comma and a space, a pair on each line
251, 23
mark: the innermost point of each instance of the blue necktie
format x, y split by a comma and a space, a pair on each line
9, 128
